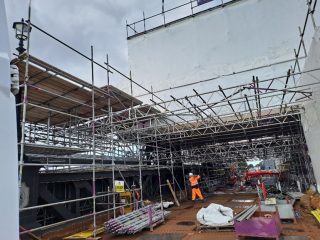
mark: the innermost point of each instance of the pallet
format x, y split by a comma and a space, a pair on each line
226, 228
238, 237
87, 235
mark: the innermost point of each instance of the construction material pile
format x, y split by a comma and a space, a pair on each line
310, 200
136, 221
246, 214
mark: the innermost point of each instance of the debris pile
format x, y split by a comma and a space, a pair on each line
310, 201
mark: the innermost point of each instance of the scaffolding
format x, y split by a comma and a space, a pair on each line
171, 15
69, 125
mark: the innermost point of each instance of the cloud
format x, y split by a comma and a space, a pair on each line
82, 23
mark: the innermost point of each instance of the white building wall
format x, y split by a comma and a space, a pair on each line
9, 201
244, 35
250, 34
311, 118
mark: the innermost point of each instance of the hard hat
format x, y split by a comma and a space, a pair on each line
190, 174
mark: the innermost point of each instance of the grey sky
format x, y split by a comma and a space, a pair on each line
82, 23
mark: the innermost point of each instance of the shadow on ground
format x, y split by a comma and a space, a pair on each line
174, 236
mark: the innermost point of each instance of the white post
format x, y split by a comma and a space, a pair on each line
9, 207
299, 186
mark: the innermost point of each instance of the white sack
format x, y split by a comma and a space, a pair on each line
165, 205
214, 214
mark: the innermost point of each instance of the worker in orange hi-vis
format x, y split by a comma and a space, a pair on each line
195, 186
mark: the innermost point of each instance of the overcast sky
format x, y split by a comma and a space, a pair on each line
82, 23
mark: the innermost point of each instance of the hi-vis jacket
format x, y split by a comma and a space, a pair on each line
194, 181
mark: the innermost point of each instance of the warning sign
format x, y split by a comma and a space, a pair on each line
119, 185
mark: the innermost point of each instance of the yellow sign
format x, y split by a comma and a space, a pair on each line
119, 185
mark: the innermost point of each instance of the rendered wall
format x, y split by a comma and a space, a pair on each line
9, 201
311, 118
244, 35
250, 34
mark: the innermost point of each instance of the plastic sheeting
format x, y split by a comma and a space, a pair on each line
165, 204
214, 215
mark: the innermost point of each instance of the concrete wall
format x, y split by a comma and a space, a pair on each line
244, 35
311, 118
9, 203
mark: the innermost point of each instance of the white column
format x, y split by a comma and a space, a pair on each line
9, 203
311, 117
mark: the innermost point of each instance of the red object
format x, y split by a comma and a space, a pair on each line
260, 173
264, 190
137, 195
232, 180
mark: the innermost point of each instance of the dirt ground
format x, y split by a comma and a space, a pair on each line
181, 224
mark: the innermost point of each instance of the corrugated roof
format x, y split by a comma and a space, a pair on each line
64, 96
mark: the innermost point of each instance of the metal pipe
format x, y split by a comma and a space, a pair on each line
93, 147
63, 222
64, 202
25, 95
220, 76
159, 174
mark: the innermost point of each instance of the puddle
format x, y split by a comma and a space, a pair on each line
189, 207
186, 223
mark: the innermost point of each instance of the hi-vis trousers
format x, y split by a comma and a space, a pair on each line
196, 192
